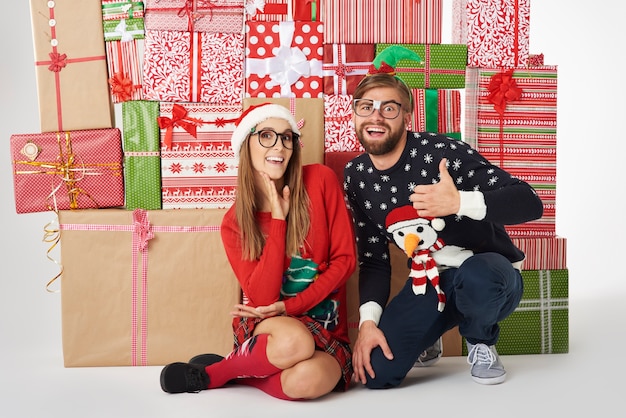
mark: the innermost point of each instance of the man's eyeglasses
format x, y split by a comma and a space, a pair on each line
365, 107
268, 138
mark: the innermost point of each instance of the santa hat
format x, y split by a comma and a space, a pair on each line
252, 116
409, 213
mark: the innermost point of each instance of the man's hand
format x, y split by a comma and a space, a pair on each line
439, 199
370, 337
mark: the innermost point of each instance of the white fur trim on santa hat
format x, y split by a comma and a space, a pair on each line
254, 115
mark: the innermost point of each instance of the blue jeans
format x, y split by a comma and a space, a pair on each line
484, 290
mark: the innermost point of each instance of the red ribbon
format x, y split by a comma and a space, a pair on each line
57, 62
141, 229
122, 87
179, 118
503, 89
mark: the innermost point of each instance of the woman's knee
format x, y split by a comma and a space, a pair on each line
290, 341
311, 378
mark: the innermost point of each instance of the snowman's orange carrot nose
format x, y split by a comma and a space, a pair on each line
410, 244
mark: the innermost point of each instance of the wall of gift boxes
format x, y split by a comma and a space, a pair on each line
181, 71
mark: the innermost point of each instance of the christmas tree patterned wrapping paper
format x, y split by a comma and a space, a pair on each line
142, 156
540, 324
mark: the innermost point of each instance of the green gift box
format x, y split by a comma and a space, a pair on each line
142, 155
443, 66
540, 323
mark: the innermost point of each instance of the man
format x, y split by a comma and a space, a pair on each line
445, 205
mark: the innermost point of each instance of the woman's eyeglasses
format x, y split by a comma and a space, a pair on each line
268, 138
365, 107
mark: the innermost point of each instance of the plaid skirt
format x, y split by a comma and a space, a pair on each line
243, 328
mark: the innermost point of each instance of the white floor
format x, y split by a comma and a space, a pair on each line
583, 40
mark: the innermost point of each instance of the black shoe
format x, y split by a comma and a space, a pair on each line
206, 359
184, 377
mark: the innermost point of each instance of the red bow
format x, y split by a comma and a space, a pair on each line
384, 69
142, 228
58, 61
179, 118
121, 87
503, 89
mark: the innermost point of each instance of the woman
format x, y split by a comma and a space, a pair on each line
290, 242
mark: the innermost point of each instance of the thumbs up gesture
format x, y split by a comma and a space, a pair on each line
439, 199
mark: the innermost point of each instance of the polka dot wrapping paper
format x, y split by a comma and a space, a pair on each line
67, 170
540, 323
284, 59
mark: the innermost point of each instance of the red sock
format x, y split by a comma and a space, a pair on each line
249, 360
270, 385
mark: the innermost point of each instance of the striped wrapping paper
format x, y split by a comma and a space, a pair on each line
437, 111
540, 323
125, 69
523, 139
543, 253
200, 171
443, 66
382, 21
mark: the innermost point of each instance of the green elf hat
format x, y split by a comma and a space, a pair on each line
387, 59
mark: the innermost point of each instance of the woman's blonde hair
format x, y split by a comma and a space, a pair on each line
298, 219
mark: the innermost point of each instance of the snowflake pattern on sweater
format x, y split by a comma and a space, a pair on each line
372, 194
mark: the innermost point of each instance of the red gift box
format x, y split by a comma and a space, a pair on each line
382, 21
345, 65
268, 10
284, 59
67, 170
339, 134
198, 168
437, 111
222, 16
193, 67
543, 253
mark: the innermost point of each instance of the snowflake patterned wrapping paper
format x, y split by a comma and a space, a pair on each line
540, 323
284, 59
142, 156
70, 65
219, 16
193, 67
443, 66
543, 253
345, 65
67, 170
200, 171
496, 32
521, 139
309, 114
125, 69
384, 21
434, 111
163, 288
122, 20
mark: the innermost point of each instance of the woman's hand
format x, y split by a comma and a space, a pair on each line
245, 311
279, 201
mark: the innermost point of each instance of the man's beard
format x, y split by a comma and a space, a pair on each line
380, 147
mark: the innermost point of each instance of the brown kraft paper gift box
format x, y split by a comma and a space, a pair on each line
112, 316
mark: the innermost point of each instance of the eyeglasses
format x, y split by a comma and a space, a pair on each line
268, 138
365, 107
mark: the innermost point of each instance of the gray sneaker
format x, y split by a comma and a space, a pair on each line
431, 355
487, 369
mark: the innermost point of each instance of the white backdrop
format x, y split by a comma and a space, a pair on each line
585, 41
